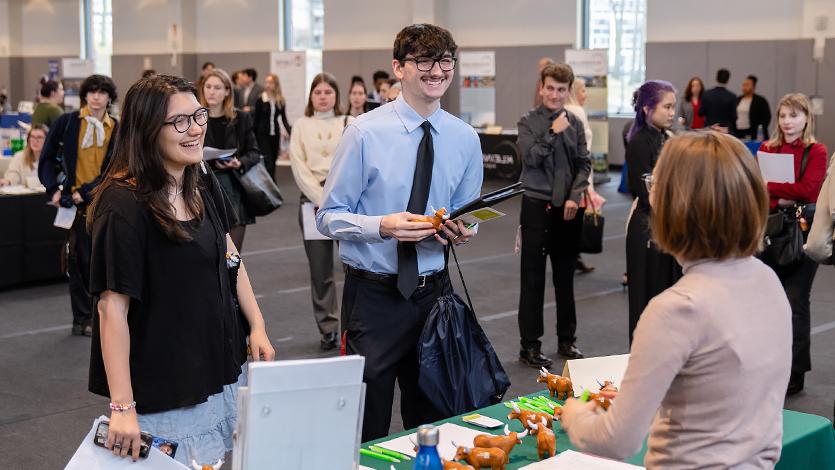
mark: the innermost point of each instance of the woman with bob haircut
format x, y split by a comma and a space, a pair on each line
161, 269
725, 326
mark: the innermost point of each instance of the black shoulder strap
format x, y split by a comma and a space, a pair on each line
804, 161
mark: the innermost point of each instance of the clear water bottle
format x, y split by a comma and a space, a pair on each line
760, 134
427, 456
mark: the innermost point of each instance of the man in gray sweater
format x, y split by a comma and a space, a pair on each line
555, 172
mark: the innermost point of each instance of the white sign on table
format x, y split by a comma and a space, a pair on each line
776, 167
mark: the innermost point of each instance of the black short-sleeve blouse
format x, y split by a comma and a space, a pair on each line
187, 337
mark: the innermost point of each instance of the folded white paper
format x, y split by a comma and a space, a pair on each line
309, 223
92, 457
65, 217
447, 434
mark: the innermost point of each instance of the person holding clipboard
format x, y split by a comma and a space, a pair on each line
555, 173
394, 165
795, 122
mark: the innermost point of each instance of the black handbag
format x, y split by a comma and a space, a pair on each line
261, 194
591, 240
458, 366
783, 243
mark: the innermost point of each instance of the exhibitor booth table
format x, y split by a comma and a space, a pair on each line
808, 442
30, 246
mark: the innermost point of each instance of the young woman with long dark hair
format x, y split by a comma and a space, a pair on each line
169, 341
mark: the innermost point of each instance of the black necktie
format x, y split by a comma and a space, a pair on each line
407, 266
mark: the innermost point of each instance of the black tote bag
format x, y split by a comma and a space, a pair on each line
591, 240
261, 194
459, 368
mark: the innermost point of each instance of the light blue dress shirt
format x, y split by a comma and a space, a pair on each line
371, 176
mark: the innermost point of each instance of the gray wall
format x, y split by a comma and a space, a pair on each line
515, 75
781, 66
128, 68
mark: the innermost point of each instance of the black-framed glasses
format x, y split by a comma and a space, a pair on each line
182, 122
425, 64
648, 181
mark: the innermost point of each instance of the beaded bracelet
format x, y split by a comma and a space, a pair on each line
122, 406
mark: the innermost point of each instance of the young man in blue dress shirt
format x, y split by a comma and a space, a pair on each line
377, 174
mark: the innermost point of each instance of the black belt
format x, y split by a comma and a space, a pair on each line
392, 278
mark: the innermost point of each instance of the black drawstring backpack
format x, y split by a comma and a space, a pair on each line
459, 368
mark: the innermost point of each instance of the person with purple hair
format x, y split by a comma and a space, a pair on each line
649, 271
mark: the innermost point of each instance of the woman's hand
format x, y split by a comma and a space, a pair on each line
572, 408
260, 345
123, 434
232, 164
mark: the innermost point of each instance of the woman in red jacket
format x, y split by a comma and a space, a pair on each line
794, 136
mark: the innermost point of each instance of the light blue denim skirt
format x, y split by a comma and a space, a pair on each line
203, 432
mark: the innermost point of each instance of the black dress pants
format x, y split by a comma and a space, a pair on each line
545, 233
78, 269
379, 324
797, 280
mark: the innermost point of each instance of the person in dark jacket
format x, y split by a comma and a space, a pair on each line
76, 153
648, 270
752, 112
229, 128
719, 105
555, 173
270, 115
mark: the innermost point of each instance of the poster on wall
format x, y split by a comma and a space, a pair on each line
75, 71
592, 66
291, 68
477, 72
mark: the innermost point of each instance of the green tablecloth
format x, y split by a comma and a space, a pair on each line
808, 442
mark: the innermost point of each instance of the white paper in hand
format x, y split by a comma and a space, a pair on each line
776, 167
92, 457
585, 373
211, 153
65, 217
309, 223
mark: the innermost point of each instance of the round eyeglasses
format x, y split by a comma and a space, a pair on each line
182, 122
425, 64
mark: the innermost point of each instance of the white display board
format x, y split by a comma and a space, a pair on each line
300, 414
292, 70
592, 65
477, 79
